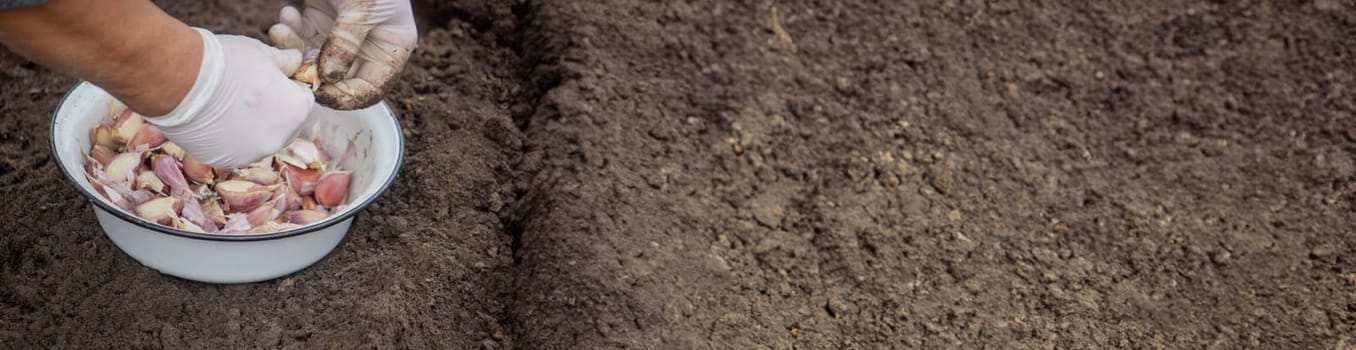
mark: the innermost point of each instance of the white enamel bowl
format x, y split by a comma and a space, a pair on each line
375, 159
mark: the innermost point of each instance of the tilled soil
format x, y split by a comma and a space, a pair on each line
790, 174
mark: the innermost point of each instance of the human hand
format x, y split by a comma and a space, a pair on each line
363, 45
243, 107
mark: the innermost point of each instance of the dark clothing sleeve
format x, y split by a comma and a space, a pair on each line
18, 4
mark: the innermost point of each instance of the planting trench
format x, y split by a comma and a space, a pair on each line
789, 174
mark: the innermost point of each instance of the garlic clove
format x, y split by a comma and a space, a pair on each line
272, 226
212, 209
300, 179
286, 198
126, 128
113, 196
195, 214
102, 135
102, 154
158, 210
168, 171
308, 203
264, 213
304, 154
304, 217
187, 225
260, 175
148, 136
243, 196
124, 167
197, 171
138, 197
173, 150
148, 180
332, 188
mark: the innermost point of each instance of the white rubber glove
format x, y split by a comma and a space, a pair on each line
243, 106
363, 46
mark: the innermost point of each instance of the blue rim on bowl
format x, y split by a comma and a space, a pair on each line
330, 221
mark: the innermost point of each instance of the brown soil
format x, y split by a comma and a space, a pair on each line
791, 174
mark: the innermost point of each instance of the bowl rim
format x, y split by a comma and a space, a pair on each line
327, 223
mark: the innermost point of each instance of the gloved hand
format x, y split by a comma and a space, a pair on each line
243, 106
363, 46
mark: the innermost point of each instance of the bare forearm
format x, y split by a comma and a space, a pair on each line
130, 48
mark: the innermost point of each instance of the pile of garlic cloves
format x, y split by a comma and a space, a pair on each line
132, 165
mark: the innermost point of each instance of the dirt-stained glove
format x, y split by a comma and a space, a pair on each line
242, 107
363, 46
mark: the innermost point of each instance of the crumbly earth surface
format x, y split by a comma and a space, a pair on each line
782, 174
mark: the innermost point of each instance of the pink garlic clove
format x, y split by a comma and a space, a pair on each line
113, 196
148, 180
126, 128
148, 136
195, 214
243, 196
197, 171
332, 188
264, 213
259, 175
301, 180
272, 226
212, 209
286, 198
305, 217
303, 154
186, 225
158, 210
103, 136
124, 167
138, 197
102, 154
92, 165
167, 169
